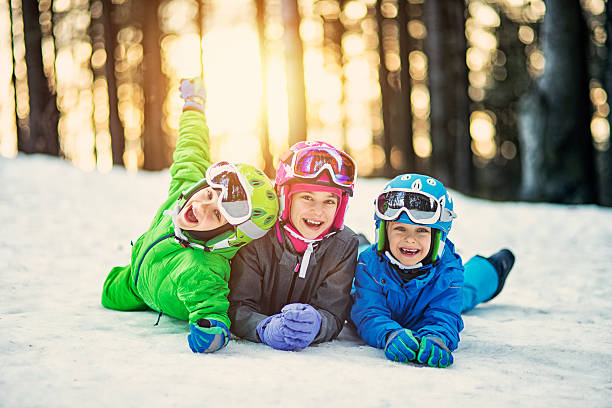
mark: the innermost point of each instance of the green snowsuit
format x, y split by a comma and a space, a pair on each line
186, 283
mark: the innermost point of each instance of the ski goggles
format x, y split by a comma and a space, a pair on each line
311, 161
421, 207
234, 202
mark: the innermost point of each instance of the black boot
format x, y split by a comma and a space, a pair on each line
502, 261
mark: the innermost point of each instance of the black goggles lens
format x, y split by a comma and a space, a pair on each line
419, 205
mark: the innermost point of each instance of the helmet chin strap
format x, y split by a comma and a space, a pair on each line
401, 265
178, 232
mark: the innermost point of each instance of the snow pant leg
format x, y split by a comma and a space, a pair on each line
479, 283
118, 292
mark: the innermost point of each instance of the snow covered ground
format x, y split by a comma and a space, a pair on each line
546, 341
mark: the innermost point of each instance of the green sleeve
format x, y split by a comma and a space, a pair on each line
204, 290
192, 154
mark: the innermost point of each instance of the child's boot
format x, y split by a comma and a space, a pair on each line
503, 262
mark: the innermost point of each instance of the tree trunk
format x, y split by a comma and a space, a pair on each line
386, 93
264, 137
42, 136
405, 143
556, 146
110, 45
155, 144
21, 128
294, 62
445, 46
605, 156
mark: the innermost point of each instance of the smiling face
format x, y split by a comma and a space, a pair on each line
312, 212
201, 213
409, 244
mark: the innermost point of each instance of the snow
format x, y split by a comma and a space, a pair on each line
545, 341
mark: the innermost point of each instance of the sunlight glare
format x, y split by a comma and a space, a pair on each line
355, 10
420, 100
233, 85
180, 55
600, 129
484, 14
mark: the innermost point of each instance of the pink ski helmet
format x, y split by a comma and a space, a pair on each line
318, 163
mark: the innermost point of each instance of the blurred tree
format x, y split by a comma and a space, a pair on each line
264, 136
404, 143
499, 177
386, 37
155, 141
395, 44
333, 31
445, 46
40, 136
110, 45
556, 144
294, 65
605, 156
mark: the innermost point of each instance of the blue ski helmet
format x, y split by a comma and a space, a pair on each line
417, 200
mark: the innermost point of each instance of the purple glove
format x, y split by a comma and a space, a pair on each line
302, 324
270, 331
192, 91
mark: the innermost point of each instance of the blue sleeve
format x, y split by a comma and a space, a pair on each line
370, 312
442, 317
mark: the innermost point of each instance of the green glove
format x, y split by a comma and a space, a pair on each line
434, 353
401, 346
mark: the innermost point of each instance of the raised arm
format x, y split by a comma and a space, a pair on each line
191, 157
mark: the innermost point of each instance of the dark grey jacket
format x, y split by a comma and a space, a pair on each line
264, 278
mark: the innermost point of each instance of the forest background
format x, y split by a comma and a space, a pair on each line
501, 99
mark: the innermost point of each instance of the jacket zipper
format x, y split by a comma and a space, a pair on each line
295, 274
145, 254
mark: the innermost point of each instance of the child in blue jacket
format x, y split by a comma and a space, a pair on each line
409, 286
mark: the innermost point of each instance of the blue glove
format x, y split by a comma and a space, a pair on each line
434, 353
192, 91
208, 336
401, 346
270, 331
302, 323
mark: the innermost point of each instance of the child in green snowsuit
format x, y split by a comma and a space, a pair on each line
181, 265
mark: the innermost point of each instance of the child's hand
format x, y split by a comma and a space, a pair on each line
302, 324
402, 346
208, 336
194, 94
434, 353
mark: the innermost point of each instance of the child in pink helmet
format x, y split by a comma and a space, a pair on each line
291, 288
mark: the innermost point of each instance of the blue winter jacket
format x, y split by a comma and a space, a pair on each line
429, 305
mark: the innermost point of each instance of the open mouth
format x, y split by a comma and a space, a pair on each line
312, 223
190, 216
409, 251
